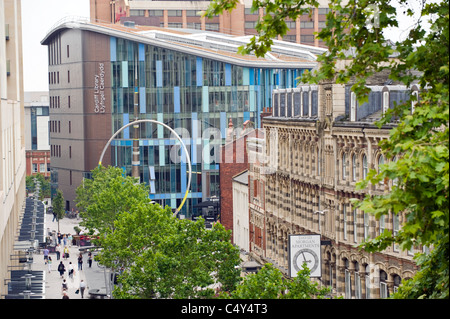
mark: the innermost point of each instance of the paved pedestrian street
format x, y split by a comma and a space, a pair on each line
93, 277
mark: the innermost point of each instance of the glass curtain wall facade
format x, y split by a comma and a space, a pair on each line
196, 97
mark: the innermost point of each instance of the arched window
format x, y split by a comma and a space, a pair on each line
364, 167
353, 107
385, 101
367, 270
380, 162
358, 290
414, 100
344, 166
397, 281
354, 167
348, 281
384, 293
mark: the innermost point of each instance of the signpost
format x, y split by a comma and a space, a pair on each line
305, 249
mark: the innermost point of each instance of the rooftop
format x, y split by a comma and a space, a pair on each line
201, 43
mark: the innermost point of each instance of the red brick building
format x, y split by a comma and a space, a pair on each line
38, 162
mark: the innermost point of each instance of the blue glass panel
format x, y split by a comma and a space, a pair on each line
252, 98
199, 72
183, 177
245, 76
159, 73
124, 74
142, 100
141, 52
227, 74
126, 120
205, 99
223, 124
176, 99
162, 153
113, 48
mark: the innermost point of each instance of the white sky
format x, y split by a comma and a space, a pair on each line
38, 17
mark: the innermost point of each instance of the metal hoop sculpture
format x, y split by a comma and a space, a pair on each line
176, 135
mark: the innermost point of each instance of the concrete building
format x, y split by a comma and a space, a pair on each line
37, 133
319, 144
194, 82
187, 14
12, 137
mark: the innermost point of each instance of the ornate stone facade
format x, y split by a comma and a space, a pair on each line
317, 149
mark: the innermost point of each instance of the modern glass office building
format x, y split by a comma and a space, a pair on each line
193, 82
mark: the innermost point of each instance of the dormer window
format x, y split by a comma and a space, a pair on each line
353, 107
414, 100
385, 101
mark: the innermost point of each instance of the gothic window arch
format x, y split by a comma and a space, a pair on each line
365, 166
344, 166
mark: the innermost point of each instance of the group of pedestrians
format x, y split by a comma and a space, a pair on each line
70, 272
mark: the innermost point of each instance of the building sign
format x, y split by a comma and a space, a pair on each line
99, 89
305, 249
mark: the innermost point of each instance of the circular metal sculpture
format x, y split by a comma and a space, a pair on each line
176, 135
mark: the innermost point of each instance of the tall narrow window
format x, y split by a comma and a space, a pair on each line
367, 282
344, 166
396, 228
383, 285
382, 224
67, 50
354, 167
364, 166
358, 291
353, 107
366, 225
70, 127
414, 100
355, 226
385, 101
348, 283
344, 212
68, 76
68, 101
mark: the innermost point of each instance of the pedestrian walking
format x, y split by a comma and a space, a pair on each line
70, 270
54, 216
66, 252
65, 240
58, 251
59, 238
80, 262
70, 238
49, 264
46, 252
64, 286
61, 269
65, 295
90, 259
82, 288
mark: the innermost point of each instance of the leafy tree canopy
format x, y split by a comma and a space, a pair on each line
156, 254
105, 196
355, 32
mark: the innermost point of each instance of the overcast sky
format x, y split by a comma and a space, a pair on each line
39, 16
